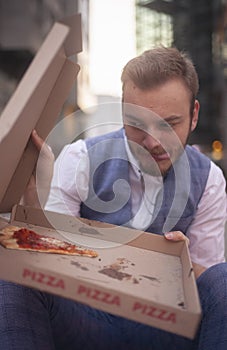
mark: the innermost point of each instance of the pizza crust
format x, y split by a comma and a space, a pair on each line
6, 239
8, 231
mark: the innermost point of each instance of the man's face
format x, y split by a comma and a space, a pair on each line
157, 123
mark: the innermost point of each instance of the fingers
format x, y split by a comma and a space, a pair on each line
38, 188
42, 147
38, 141
176, 236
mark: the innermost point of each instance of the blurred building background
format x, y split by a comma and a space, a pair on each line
198, 27
113, 32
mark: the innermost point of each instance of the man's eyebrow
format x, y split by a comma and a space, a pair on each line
172, 118
169, 119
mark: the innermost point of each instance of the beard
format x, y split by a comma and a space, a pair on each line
158, 161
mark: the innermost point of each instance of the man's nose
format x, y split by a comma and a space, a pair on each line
151, 140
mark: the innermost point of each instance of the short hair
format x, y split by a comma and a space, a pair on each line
159, 65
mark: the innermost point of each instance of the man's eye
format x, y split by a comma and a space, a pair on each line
136, 124
166, 126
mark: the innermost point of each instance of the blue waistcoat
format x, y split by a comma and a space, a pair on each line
109, 197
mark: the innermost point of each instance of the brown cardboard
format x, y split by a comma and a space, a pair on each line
36, 103
147, 279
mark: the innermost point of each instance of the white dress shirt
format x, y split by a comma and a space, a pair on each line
206, 232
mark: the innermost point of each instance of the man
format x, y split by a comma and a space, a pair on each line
159, 92
143, 176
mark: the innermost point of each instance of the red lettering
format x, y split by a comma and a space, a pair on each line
26, 273
152, 311
50, 281
95, 294
162, 315
98, 295
106, 297
41, 278
116, 301
82, 289
60, 284
138, 306
172, 318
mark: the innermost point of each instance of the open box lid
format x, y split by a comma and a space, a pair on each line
36, 104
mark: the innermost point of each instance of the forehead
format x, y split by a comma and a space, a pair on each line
171, 97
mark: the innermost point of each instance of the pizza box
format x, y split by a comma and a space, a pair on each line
138, 275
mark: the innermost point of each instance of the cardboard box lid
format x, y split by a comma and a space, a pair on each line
36, 103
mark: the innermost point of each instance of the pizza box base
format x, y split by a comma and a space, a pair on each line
137, 275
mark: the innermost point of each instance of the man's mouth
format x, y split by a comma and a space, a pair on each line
157, 156
160, 156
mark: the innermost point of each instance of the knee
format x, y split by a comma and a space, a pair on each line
212, 284
12, 293
10, 285
213, 277
7, 287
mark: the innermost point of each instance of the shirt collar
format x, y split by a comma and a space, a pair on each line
135, 165
132, 161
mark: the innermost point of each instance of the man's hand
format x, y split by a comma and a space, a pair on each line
177, 236
37, 191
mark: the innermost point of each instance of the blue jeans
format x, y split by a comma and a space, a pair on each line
33, 320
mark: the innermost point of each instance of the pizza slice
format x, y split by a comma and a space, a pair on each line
21, 238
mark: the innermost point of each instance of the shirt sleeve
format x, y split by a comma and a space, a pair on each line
207, 231
69, 185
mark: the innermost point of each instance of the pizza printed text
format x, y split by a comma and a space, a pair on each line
42, 278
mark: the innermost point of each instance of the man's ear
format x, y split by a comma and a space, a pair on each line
195, 115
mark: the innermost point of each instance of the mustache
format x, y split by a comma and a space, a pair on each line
144, 151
